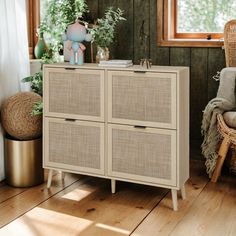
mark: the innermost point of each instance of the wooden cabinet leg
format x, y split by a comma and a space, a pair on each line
174, 199
63, 174
49, 178
183, 192
224, 147
113, 185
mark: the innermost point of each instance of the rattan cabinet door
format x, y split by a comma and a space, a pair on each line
77, 93
142, 155
147, 99
74, 146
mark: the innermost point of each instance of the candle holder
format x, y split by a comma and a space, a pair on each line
146, 62
144, 38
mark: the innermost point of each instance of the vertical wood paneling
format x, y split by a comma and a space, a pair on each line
162, 56
159, 55
198, 89
123, 47
141, 9
180, 56
216, 62
203, 62
91, 17
93, 10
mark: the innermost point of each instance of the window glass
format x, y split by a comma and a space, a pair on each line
202, 16
43, 7
193, 23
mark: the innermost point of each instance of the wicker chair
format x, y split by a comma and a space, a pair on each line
228, 139
230, 43
228, 134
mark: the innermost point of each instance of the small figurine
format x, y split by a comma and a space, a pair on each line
76, 33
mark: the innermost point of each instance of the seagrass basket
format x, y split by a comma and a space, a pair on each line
230, 43
16, 117
230, 134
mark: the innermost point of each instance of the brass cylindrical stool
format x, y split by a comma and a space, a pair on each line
23, 162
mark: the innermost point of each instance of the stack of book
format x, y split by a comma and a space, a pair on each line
116, 63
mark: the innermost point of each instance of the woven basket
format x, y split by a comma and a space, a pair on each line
230, 134
230, 43
16, 116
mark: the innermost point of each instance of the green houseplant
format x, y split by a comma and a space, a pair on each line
58, 15
103, 33
36, 84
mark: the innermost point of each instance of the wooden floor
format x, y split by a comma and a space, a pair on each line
84, 206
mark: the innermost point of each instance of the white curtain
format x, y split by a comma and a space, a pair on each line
14, 58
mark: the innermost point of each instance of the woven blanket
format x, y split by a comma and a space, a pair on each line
225, 101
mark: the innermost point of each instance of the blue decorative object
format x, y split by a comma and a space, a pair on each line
76, 34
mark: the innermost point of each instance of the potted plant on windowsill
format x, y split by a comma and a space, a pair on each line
58, 15
103, 33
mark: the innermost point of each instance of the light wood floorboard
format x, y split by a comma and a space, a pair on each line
162, 220
85, 206
213, 212
90, 209
7, 192
16, 206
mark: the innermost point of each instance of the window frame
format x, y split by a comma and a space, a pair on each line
166, 29
33, 21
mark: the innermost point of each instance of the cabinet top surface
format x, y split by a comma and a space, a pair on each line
94, 66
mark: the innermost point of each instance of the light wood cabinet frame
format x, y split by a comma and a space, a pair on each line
178, 129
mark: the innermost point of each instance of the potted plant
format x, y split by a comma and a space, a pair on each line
58, 15
103, 33
36, 84
23, 140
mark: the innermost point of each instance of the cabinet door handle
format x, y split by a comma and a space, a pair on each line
70, 120
70, 68
140, 127
140, 71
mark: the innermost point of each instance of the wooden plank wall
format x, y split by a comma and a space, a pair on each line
203, 62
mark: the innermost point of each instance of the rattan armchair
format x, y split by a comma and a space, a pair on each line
230, 43
228, 134
228, 139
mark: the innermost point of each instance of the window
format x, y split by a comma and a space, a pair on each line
33, 19
193, 22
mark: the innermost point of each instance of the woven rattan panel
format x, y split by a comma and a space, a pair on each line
74, 93
144, 99
230, 43
140, 153
232, 53
74, 145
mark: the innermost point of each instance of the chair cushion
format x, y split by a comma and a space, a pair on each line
230, 118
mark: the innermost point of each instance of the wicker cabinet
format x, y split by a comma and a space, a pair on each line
74, 145
147, 99
142, 154
74, 93
127, 124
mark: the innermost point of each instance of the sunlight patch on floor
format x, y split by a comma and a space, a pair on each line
112, 228
46, 222
76, 194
